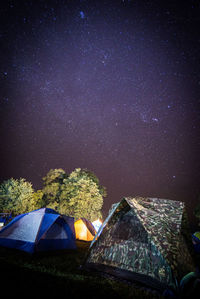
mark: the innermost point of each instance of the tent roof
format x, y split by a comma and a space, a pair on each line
162, 219
97, 224
27, 231
89, 226
45, 211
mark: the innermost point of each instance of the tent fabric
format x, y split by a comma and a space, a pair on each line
70, 222
196, 241
197, 235
84, 230
90, 226
39, 230
97, 224
190, 285
142, 239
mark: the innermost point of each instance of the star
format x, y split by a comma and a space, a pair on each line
82, 15
155, 120
112, 87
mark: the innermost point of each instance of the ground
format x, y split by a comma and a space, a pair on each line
60, 273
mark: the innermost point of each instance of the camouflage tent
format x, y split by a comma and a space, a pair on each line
143, 239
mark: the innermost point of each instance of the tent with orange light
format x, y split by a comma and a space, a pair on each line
84, 230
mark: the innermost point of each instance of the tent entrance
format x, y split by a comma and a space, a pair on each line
129, 227
121, 274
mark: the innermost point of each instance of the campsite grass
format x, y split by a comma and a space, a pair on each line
59, 273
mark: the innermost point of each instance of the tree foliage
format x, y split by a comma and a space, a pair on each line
16, 196
54, 176
52, 187
36, 201
78, 194
81, 195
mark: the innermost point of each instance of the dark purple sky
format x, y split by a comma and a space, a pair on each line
112, 86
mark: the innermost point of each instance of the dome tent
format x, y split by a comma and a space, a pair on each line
97, 224
39, 230
84, 229
196, 241
142, 240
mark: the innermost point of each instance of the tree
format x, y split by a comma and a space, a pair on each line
16, 196
77, 195
37, 201
93, 177
54, 176
52, 187
81, 195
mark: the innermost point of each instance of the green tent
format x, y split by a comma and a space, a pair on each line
143, 239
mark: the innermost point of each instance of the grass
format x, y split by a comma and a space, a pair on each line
59, 273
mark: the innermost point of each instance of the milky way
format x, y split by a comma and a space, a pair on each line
112, 86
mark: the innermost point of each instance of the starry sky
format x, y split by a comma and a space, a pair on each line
111, 86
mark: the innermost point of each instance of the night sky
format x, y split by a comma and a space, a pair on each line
111, 86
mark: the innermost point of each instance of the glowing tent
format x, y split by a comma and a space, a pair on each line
97, 224
84, 230
39, 230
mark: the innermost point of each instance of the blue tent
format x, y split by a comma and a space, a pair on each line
39, 230
196, 241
